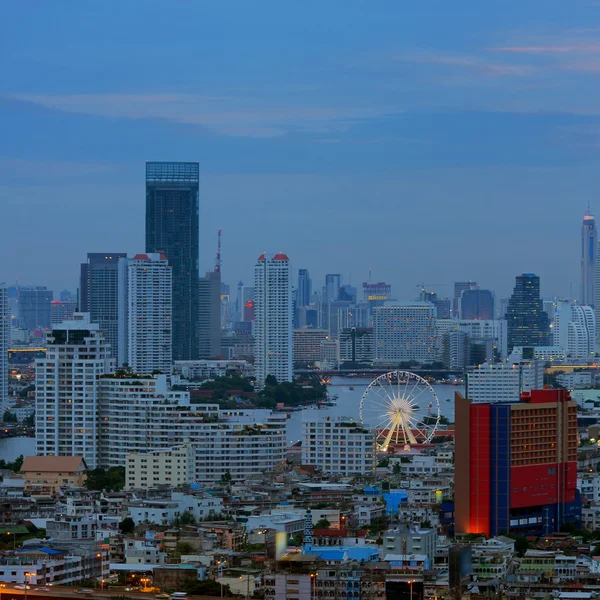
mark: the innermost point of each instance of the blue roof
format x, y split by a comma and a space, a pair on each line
332, 554
357, 553
45, 550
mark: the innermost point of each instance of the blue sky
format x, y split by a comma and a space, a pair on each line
430, 141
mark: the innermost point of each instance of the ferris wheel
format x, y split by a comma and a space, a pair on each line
402, 407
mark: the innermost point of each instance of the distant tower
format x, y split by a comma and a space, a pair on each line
273, 318
589, 243
5, 336
304, 289
209, 310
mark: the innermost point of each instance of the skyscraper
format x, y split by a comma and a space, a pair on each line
476, 303
99, 294
304, 289
172, 228
333, 283
273, 318
597, 292
146, 314
67, 388
516, 465
35, 307
589, 243
5, 327
459, 288
575, 329
209, 315
527, 324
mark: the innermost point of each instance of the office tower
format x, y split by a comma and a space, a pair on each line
504, 381
589, 244
209, 315
549, 307
597, 292
476, 303
375, 294
574, 330
99, 294
304, 289
172, 228
306, 345
329, 354
146, 313
333, 283
335, 316
459, 288
516, 465
66, 390
455, 349
405, 333
5, 337
62, 310
494, 330
356, 345
527, 323
66, 295
337, 445
273, 318
444, 307
35, 307
347, 293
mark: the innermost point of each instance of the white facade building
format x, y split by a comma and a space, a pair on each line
165, 511
145, 313
503, 382
143, 415
5, 331
67, 390
272, 318
589, 257
337, 445
201, 370
406, 332
574, 330
575, 381
494, 329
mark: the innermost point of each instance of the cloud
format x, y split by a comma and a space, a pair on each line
226, 115
548, 49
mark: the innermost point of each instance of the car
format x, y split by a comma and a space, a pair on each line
43, 589
20, 587
163, 597
85, 591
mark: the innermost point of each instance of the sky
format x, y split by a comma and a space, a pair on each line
429, 141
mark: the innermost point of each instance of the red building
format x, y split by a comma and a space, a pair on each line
516, 464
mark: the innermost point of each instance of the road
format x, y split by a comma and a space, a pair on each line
68, 592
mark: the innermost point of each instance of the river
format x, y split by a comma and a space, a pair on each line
348, 402
11, 448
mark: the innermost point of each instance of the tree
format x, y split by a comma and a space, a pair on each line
521, 545
127, 525
187, 518
9, 417
226, 478
99, 479
208, 587
426, 524
396, 469
270, 381
184, 548
322, 524
384, 462
29, 421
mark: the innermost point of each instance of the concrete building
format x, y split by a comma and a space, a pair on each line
164, 511
35, 307
145, 313
304, 289
172, 467
5, 339
589, 256
99, 295
575, 381
455, 349
273, 318
67, 390
411, 539
494, 329
356, 345
337, 446
503, 382
475, 303
329, 354
45, 475
306, 345
201, 370
62, 310
405, 333
574, 330
209, 315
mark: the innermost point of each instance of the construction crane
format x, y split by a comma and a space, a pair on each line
218, 259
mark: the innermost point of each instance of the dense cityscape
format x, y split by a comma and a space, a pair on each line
286, 440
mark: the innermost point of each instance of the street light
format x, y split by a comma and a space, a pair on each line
410, 582
313, 581
28, 574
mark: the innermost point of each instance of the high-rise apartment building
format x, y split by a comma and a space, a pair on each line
455, 349
5, 337
574, 329
304, 289
494, 330
67, 390
356, 345
99, 294
273, 318
406, 333
35, 307
306, 345
597, 292
146, 313
338, 445
172, 228
516, 465
62, 310
209, 315
476, 303
527, 323
589, 256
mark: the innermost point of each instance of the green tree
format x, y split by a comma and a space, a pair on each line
384, 462
112, 479
521, 545
322, 524
127, 525
270, 381
9, 417
208, 587
29, 421
396, 469
187, 518
184, 548
226, 478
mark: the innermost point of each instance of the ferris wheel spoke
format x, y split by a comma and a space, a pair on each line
406, 386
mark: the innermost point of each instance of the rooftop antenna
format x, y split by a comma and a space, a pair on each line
369, 274
218, 259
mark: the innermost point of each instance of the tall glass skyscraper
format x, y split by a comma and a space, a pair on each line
589, 242
304, 289
526, 322
475, 303
172, 228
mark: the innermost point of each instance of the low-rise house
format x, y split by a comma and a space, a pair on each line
46, 475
